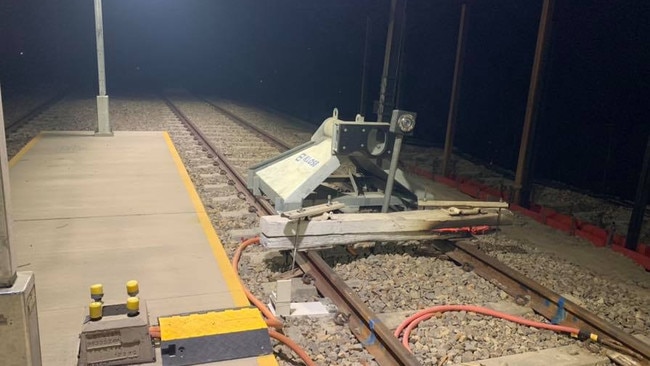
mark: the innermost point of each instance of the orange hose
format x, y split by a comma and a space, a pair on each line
271, 320
293, 345
411, 322
154, 331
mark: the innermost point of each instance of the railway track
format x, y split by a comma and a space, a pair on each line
362, 320
387, 350
221, 182
14, 125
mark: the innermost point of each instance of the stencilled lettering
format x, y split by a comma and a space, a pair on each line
304, 158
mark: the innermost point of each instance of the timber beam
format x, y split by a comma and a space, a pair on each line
281, 233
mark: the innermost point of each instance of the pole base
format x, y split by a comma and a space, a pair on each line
19, 323
103, 122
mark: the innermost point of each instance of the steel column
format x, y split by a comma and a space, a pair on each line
640, 202
522, 176
364, 69
7, 260
103, 121
392, 55
455, 90
392, 171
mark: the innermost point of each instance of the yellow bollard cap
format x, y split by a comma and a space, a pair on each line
133, 304
95, 310
97, 291
132, 288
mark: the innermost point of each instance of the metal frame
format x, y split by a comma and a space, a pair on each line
344, 138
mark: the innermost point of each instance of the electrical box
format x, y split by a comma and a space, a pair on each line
19, 338
117, 338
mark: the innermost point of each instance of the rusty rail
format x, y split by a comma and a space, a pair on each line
14, 125
363, 323
261, 133
544, 301
234, 177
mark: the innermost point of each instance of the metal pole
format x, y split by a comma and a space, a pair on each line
455, 90
399, 75
390, 73
7, 260
103, 122
99, 30
522, 178
387, 51
640, 202
391, 172
364, 70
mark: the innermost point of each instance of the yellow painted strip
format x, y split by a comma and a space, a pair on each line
210, 324
268, 360
24, 150
225, 267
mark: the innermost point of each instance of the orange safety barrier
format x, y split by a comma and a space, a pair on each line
596, 235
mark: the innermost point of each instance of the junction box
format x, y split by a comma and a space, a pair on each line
117, 338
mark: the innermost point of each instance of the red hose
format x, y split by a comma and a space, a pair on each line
293, 345
411, 322
271, 320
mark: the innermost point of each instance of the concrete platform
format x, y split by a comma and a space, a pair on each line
107, 210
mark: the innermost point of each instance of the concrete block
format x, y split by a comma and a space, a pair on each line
299, 291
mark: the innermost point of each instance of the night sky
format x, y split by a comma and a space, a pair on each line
306, 57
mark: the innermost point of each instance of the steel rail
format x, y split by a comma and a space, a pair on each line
363, 323
234, 177
544, 301
11, 127
260, 132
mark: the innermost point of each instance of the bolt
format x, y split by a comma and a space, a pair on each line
521, 300
308, 279
341, 318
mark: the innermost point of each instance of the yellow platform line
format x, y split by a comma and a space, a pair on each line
225, 267
16, 158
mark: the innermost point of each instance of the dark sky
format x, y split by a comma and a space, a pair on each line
305, 57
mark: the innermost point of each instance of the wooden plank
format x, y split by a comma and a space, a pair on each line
461, 204
337, 229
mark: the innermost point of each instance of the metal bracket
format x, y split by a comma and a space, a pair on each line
312, 210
